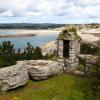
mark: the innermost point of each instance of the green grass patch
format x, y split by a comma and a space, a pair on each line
63, 87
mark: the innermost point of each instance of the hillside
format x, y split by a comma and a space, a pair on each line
64, 87
30, 26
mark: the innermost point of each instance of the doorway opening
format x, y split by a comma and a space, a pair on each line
66, 48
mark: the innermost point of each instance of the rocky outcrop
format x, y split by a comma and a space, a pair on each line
49, 48
18, 75
89, 59
41, 69
80, 73
13, 76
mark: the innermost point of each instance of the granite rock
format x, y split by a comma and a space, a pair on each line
13, 76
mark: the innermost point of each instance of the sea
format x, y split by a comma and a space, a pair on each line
21, 42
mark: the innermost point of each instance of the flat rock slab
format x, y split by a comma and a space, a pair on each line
13, 76
42, 69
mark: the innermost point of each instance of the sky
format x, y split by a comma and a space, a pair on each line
50, 11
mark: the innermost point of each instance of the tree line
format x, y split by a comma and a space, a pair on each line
9, 56
30, 26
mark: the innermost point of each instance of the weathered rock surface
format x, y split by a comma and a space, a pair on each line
41, 69
79, 73
49, 48
90, 59
13, 76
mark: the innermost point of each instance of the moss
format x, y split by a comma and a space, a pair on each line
73, 29
65, 34
80, 67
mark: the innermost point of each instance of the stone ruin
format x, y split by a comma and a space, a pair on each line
68, 48
18, 75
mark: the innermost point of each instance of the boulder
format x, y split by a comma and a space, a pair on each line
90, 59
42, 69
13, 76
80, 73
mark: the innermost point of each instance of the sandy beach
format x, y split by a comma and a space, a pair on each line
27, 33
20, 32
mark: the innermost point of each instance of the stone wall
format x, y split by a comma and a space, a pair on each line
73, 52
60, 48
74, 49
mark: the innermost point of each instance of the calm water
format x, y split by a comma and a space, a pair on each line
20, 42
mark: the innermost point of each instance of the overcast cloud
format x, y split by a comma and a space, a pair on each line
46, 11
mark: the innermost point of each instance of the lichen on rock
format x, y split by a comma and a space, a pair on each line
42, 69
13, 76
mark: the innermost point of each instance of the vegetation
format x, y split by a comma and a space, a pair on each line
63, 87
30, 26
95, 70
94, 25
65, 33
96, 80
43, 26
52, 57
89, 49
73, 29
7, 51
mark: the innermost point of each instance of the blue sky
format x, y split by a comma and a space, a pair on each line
50, 11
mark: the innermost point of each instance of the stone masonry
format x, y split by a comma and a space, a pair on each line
70, 62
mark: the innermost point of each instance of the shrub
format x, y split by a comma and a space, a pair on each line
8, 55
89, 49
96, 80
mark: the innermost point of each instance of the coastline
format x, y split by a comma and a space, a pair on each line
17, 35
25, 32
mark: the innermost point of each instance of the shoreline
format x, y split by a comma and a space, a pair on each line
16, 35
25, 33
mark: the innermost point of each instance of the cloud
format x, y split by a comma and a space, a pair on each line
69, 9
7, 13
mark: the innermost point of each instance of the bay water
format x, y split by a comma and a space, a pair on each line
21, 42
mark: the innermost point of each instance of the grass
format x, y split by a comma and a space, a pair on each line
63, 87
